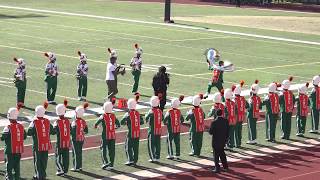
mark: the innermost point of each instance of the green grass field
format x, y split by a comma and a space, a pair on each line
28, 34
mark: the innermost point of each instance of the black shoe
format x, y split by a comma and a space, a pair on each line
216, 170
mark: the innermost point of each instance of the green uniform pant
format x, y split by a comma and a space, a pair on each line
286, 124
176, 138
232, 136
136, 77
315, 119
40, 161
132, 149
52, 83
21, 90
12, 164
82, 86
271, 123
196, 142
301, 124
108, 146
252, 129
77, 154
217, 84
238, 133
154, 146
62, 159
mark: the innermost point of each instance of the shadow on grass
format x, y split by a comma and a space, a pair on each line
71, 177
5, 16
92, 175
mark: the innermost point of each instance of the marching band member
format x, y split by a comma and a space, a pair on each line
217, 99
287, 101
315, 104
62, 129
51, 79
271, 101
230, 109
40, 129
154, 117
253, 112
13, 136
196, 117
136, 64
240, 103
303, 103
20, 80
173, 120
133, 121
78, 130
82, 73
109, 123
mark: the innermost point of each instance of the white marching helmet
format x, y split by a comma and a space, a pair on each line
40, 111
286, 84
175, 103
196, 100
303, 89
255, 87
154, 101
51, 56
80, 111
228, 93
82, 56
237, 90
139, 51
132, 103
112, 52
60, 109
13, 113
272, 87
217, 98
107, 107
316, 80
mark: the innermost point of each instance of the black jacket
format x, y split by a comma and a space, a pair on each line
219, 130
160, 82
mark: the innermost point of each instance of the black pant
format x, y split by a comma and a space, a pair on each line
163, 99
219, 153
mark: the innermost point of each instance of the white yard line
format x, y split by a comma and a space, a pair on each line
63, 28
300, 175
162, 24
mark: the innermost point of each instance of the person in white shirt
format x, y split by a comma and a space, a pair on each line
111, 75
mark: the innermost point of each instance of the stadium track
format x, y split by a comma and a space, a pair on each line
293, 165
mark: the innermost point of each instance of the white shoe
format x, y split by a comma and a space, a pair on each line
157, 160
109, 168
128, 163
59, 173
83, 98
79, 98
177, 157
170, 157
151, 160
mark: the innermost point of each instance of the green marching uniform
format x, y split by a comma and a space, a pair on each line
40, 130
196, 117
271, 102
230, 115
133, 120
173, 120
82, 73
240, 103
136, 64
253, 114
154, 117
315, 108
20, 80
13, 135
108, 122
62, 129
302, 111
78, 130
213, 110
51, 79
287, 100
217, 79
